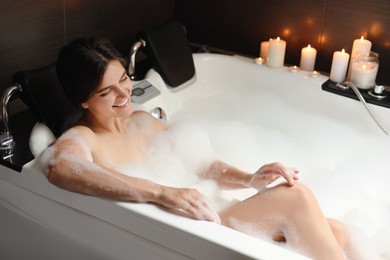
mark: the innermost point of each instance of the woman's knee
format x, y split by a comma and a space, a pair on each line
299, 197
298, 191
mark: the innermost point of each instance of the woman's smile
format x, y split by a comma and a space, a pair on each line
122, 104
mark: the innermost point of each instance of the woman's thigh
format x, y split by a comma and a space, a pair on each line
268, 212
286, 214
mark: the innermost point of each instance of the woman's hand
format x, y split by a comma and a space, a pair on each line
191, 201
269, 173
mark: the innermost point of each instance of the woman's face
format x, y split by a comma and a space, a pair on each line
112, 96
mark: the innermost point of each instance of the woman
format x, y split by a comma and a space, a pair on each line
110, 133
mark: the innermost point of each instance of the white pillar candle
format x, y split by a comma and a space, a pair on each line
359, 46
339, 67
308, 58
276, 52
264, 50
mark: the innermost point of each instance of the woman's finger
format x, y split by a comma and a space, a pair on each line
193, 203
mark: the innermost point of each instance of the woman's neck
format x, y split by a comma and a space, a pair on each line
104, 125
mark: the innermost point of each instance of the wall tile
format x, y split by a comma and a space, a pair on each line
119, 22
328, 25
31, 33
241, 25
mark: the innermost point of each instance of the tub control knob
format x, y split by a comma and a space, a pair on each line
159, 113
378, 89
378, 92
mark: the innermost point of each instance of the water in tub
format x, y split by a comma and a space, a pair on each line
349, 180
347, 186
350, 184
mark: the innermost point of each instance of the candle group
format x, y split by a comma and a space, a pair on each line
308, 58
276, 52
360, 71
362, 65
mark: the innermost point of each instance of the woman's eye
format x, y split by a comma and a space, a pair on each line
105, 93
125, 77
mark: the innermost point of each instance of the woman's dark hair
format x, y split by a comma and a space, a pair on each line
81, 65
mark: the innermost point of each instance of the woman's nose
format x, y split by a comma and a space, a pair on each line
123, 91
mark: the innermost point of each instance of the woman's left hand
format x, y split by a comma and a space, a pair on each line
269, 173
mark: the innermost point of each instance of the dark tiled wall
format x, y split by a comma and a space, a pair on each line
32, 32
329, 25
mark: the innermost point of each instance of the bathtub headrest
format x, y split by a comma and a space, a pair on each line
43, 94
169, 51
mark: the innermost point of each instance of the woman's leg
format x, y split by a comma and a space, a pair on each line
343, 237
289, 214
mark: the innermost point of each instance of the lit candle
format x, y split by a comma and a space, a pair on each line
363, 74
339, 67
359, 46
308, 58
315, 74
264, 49
259, 61
294, 68
276, 52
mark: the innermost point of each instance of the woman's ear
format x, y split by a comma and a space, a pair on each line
84, 105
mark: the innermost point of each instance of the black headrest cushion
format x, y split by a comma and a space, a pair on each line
43, 94
169, 51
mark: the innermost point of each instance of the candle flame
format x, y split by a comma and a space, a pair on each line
315, 74
278, 38
362, 38
343, 51
309, 46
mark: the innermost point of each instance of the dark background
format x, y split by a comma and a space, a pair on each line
32, 31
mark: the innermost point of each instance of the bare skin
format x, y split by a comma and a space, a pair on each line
110, 134
289, 215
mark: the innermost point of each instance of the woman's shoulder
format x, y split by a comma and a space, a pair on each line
79, 130
146, 119
141, 113
77, 134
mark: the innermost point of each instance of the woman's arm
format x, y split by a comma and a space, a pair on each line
70, 167
232, 177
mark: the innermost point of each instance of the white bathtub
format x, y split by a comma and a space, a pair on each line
336, 133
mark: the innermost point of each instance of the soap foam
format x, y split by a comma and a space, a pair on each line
177, 157
346, 169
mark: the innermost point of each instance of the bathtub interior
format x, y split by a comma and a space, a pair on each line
257, 115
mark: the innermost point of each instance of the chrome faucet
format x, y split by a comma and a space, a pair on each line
6, 140
133, 51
